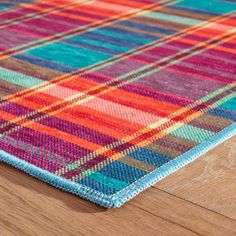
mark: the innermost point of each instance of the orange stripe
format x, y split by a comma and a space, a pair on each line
80, 84
37, 101
225, 49
208, 33
229, 21
50, 131
112, 126
64, 136
143, 103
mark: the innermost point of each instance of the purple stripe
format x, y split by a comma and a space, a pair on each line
182, 85
149, 92
20, 13
29, 157
9, 39
71, 152
217, 65
120, 68
196, 73
78, 130
207, 126
141, 90
15, 109
44, 27
221, 54
57, 123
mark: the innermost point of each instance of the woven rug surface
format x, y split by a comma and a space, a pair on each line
105, 98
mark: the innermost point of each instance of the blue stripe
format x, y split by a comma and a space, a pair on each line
224, 113
150, 157
92, 47
45, 63
106, 38
4, 6
110, 48
128, 35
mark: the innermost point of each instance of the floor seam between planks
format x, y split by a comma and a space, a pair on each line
209, 209
163, 218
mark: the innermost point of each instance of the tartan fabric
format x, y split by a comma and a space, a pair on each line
104, 94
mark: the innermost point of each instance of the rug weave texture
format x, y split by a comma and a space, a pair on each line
105, 98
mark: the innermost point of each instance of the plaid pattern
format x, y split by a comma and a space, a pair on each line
104, 93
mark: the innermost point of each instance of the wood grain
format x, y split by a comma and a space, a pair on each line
210, 181
31, 207
184, 213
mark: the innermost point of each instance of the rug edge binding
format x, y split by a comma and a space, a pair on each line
118, 199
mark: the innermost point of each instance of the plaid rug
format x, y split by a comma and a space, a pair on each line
105, 98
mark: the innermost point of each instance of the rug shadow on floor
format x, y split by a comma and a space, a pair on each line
24, 180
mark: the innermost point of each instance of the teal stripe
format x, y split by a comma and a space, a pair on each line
18, 78
68, 54
100, 44
110, 182
215, 6
173, 18
193, 133
231, 104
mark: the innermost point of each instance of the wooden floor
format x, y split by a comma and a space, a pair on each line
199, 199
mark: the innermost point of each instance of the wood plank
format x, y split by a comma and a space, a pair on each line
187, 214
31, 207
209, 181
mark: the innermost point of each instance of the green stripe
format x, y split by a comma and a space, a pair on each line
173, 18
110, 182
193, 133
18, 78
